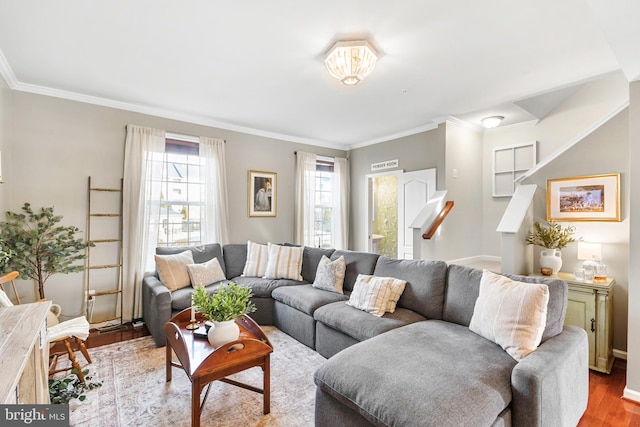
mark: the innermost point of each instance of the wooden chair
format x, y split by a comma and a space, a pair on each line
9, 278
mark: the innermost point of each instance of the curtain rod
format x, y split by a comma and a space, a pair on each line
182, 137
321, 157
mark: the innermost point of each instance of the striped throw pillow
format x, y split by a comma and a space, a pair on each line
512, 314
370, 295
257, 256
172, 269
285, 262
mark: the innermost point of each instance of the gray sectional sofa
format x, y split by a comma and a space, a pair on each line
418, 366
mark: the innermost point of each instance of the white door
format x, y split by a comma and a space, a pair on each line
414, 190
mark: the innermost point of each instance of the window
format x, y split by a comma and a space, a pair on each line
323, 214
181, 202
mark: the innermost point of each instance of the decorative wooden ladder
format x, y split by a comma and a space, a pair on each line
91, 294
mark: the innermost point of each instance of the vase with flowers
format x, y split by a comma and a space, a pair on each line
222, 308
553, 237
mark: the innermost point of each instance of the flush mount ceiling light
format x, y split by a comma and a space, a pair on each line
351, 61
491, 122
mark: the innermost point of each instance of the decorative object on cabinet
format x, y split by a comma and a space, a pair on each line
509, 163
584, 198
590, 306
553, 237
262, 197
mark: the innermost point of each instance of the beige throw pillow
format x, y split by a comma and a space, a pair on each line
284, 262
172, 269
330, 274
205, 273
512, 314
257, 256
370, 295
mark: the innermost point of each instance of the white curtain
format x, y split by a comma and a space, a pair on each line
142, 192
305, 187
341, 203
215, 214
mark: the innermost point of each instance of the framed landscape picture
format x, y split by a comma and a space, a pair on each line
584, 198
262, 198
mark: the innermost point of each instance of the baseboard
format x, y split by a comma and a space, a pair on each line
619, 354
631, 395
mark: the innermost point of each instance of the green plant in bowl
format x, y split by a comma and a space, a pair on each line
230, 302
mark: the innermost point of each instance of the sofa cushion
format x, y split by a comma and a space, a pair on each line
463, 286
305, 298
357, 263
426, 282
310, 259
330, 275
510, 313
376, 295
361, 325
257, 260
425, 388
200, 253
206, 273
235, 257
172, 269
284, 262
181, 298
263, 287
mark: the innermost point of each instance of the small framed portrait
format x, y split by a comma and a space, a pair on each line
262, 198
584, 198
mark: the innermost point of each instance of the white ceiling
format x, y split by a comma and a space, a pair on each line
257, 66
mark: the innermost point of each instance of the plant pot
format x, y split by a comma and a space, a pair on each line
551, 258
223, 332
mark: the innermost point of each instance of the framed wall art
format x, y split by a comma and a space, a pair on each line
262, 198
584, 198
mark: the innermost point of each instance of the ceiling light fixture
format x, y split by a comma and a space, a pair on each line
492, 122
351, 61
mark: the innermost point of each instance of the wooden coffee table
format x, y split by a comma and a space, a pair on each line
204, 364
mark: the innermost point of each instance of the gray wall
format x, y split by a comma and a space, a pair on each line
604, 151
416, 152
52, 145
633, 346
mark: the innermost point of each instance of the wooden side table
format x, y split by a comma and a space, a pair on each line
590, 306
204, 364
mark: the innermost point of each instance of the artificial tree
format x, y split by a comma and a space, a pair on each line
40, 246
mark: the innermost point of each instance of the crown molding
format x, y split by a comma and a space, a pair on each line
386, 138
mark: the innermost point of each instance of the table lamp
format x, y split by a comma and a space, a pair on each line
592, 254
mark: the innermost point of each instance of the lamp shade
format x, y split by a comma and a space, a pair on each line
589, 251
351, 61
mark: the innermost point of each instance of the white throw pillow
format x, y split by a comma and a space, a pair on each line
257, 256
285, 262
172, 269
512, 314
370, 295
205, 273
330, 274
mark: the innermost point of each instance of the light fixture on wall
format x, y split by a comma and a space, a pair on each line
492, 122
351, 61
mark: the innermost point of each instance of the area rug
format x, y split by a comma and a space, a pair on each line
135, 392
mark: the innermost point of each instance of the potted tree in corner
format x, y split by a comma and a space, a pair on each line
222, 308
40, 246
553, 237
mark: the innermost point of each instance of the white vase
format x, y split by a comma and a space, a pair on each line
223, 332
551, 258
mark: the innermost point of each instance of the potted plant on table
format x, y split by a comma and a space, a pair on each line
553, 237
222, 308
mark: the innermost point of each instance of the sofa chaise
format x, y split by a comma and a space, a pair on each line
421, 364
